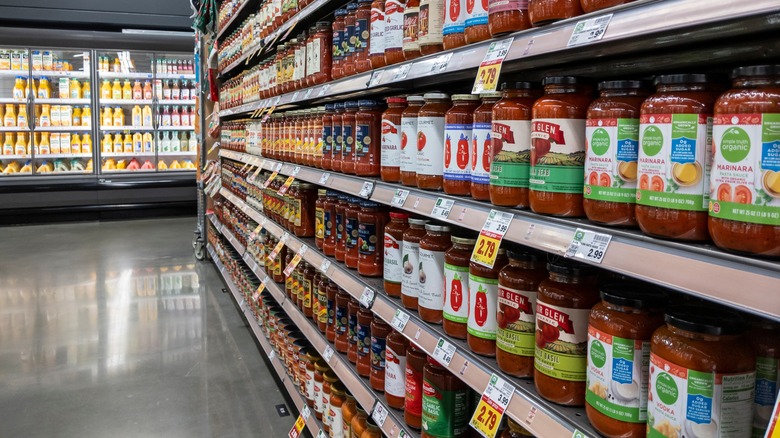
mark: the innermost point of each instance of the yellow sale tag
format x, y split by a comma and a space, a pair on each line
490, 68
297, 428
277, 249
491, 406
286, 186
260, 289
270, 179
773, 431
486, 248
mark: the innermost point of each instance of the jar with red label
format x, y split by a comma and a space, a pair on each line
558, 147
378, 352
348, 134
393, 263
337, 44
542, 12
318, 56
481, 148
390, 156
376, 40
338, 137
410, 279
394, 31
612, 134
477, 28
371, 224
411, 44
563, 306
341, 223
506, 16
351, 232
518, 284
353, 308
409, 119
415, 361
454, 29
368, 126
597, 5
456, 286
395, 369
329, 219
349, 44
430, 35
430, 141
362, 34
433, 245
327, 137
483, 303
320, 368
458, 127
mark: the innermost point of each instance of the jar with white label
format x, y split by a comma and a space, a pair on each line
432, 248
409, 119
410, 280
390, 158
430, 34
483, 302
456, 286
430, 141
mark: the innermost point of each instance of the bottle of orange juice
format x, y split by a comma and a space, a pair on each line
8, 144
116, 90
18, 92
119, 117
127, 90
107, 146
147, 116
105, 90
75, 89
21, 144
55, 114
148, 142
147, 90
138, 92
118, 144
54, 140
45, 117
76, 119
30, 83
86, 144
9, 120
66, 115
86, 92
137, 116
128, 143
107, 118
86, 116
117, 66
21, 118
44, 88
138, 142
34, 143
75, 144
44, 147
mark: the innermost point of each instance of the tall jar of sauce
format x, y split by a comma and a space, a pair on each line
341, 227
511, 145
483, 303
431, 21
481, 148
365, 318
765, 343
558, 147
745, 204
348, 412
303, 200
348, 133
319, 59
394, 31
454, 29
415, 361
320, 368
372, 430
332, 291
338, 398
395, 369
378, 353
390, 156
319, 218
612, 133
456, 286
410, 280
376, 42
458, 127
362, 36
359, 422
329, 218
393, 254
353, 309
673, 194
430, 141
341, 321
563, 306
371, 224
477, 21
518, 283
445, 404
322, 298
351, 232
337, 48
433, 245
409, 119
506, 16
542, 12
348, 44
368, 134
327, 136
338, 137
411, 43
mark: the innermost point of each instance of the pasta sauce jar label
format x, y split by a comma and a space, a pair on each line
363, 340
391, 144
431, 21
617, 376
694, 403
455, 17
363, 139
480, 153
511, 153
674, 161
457, 139
557, 155
456, 293
561, 341
338, 140
395, 369
378, 353
367, 238
361, 34
413, 391
352, 232
394, 25
516, 321
430, 145
444, 413
431, 279
410, 280
319, 222
507, 5
377, 41
746, 169
611, 162
411, 28
483, 295
476, 12
393, 271
767, 378
408, 144
349, 139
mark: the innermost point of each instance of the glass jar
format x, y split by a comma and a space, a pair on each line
351, 231
349, 44
415, 361
563, 306
348, 412
338, 399
542, 12
371, 224
395, 369
315, 297
303, 199
353, 309
515, 430
558, 147
379, 333
430, 141
673, 193
331, 291
411, 29
278, 275
431, 21
483, 303
597, 5
390, 157
454, 25
765, 343
327, 413
410, 280
372, 430
318, 57
456, 286
704, 348
476, 21
322, 298
327, 136
305, 295
393, 262
341, 228
319, 218
329, 218
338, 137
376, 42
511, 145
409, 119
518, 283
481, 148
458, 127
362, 34
365, 318
445, 402
394, 31
341, 321
348, 132
359, 422
743, 202
368, 135
612, 133
619, 332
311, 360
433, 245
507, 16
320, 368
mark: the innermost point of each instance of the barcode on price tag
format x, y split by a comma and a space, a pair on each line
324, 178
442, 208
324, 266
588, 31
323, 90
402, 72
379, 413
328, 353
376, 78
399, 198
490, 237
367, 297
588, 245
365, 191
399, 320
444, 352
305, 412
490, 67
491, 407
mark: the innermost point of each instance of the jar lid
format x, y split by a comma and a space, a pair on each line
519, 85
634, 294
560, 80
415, 221
330, 106
568, 267
322, 192
756, 70
321, 365
415, 98
705, 319
463, 240
623, 85
330, 376
338, 389
351, 104
465, 97
490, 95
438, 228
397, 99
338, 106
435, 95
685, 78
351, 7
526, 255
399, 215
368, 204
367, 103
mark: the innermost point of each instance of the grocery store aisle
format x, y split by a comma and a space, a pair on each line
112, 329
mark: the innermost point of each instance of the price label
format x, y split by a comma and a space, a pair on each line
285, 236
444, 352
399, 198
270, 179
214, 146
376, 78
306, 412
366, 190
323, 90
328, 353
324, 266
401, 72
255, 297
261, 287
255, 233
442, 208
272, 355
588, 245
489, 240
399, 320
440, 63
367, 297
589, 31
297, 429
321, 434
490, 68
257, 172
286, 186
293, 264
379, 413
308, 93
324, 178
295, 171
276, 250
491, 407
244, 167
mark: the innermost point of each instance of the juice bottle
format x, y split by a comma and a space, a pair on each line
21, 118
137, 116
175, 143
175, 117
18, 92
21, 144
66, 115
9, 119
44, 89
57, 146
44, 147
63, 88
8, 144
33, 142
166, 116
116, 90
175, 92
166, 91
147, 116
138, 142
75, 89
45, 118
158, 88
55, 115
105, 90
37, 60
119, 117
128, 143
148, 142
147, 90
48, 60
86, 144
165, 142
27, 87
64, 143
117, 66
127, 90
138, 92
86, 116
107, 146
106, 117
118, 143
193, 142
75, 144
86, 92
76, 119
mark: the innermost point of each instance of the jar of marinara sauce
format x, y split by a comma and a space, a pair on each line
329, 218
433, 245
483, 303
395, 369
371, 225
348, 133
351, 231
430, 35
327, 136
319, 61
597, 5
558, 147
319, 218
476, 23
458, 127
391, 140
612, 133
393, 263
341, 224
675, 126
456, 286
542, 12
506, 16
511, 145
376, 42
350, 39
379, 332
368, 126
745, 186
481, 148
409, 118
430, 141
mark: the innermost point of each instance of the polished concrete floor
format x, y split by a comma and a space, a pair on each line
113, 330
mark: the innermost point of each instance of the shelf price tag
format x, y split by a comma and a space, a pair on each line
272, 355
444, 352
308, 93
323, 90
376, 78
324, 266
366, 190
402, 72
486, 248
286, 186
440, 63
321, 434
399, 198
324, 178
490, 68
442, 208
589, 31
588, 245
379, 413
294, 263
270, 179
328, 353
399, 320
276, 250
491, 407
255, 233
367, 297
260, 288
297, 429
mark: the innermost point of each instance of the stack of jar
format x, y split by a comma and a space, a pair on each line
234, 178
232, 135
293, 136
293, 209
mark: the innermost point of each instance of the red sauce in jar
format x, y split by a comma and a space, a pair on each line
543, 12
430, 141
393, 260
409, 119
371, 225
411, 45
454, 30
394, 31
456, 286
351, 233
379, 333
368, 128
476, 21
329, 219
348, 133
350, 40
458, 127
410, 281
337, 46
481, 148
338, 137
483, 302
362, 34
506, 16
433, 245
376, 42
391, 140
395, 369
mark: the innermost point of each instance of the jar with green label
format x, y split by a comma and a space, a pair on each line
445, 403
765, 341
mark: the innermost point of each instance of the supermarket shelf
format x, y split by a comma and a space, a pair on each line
233, 19
214, 221
629, 28
538, 416
41, 156
104, 102
177, 154
126, 128
292, 389
63, 101
175, 76
62, 128
61, 74
113, 75
15, 157
176, 102
175, 128
697, 269
12, 100
126, 154
232, 239
14, 129
14, 73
